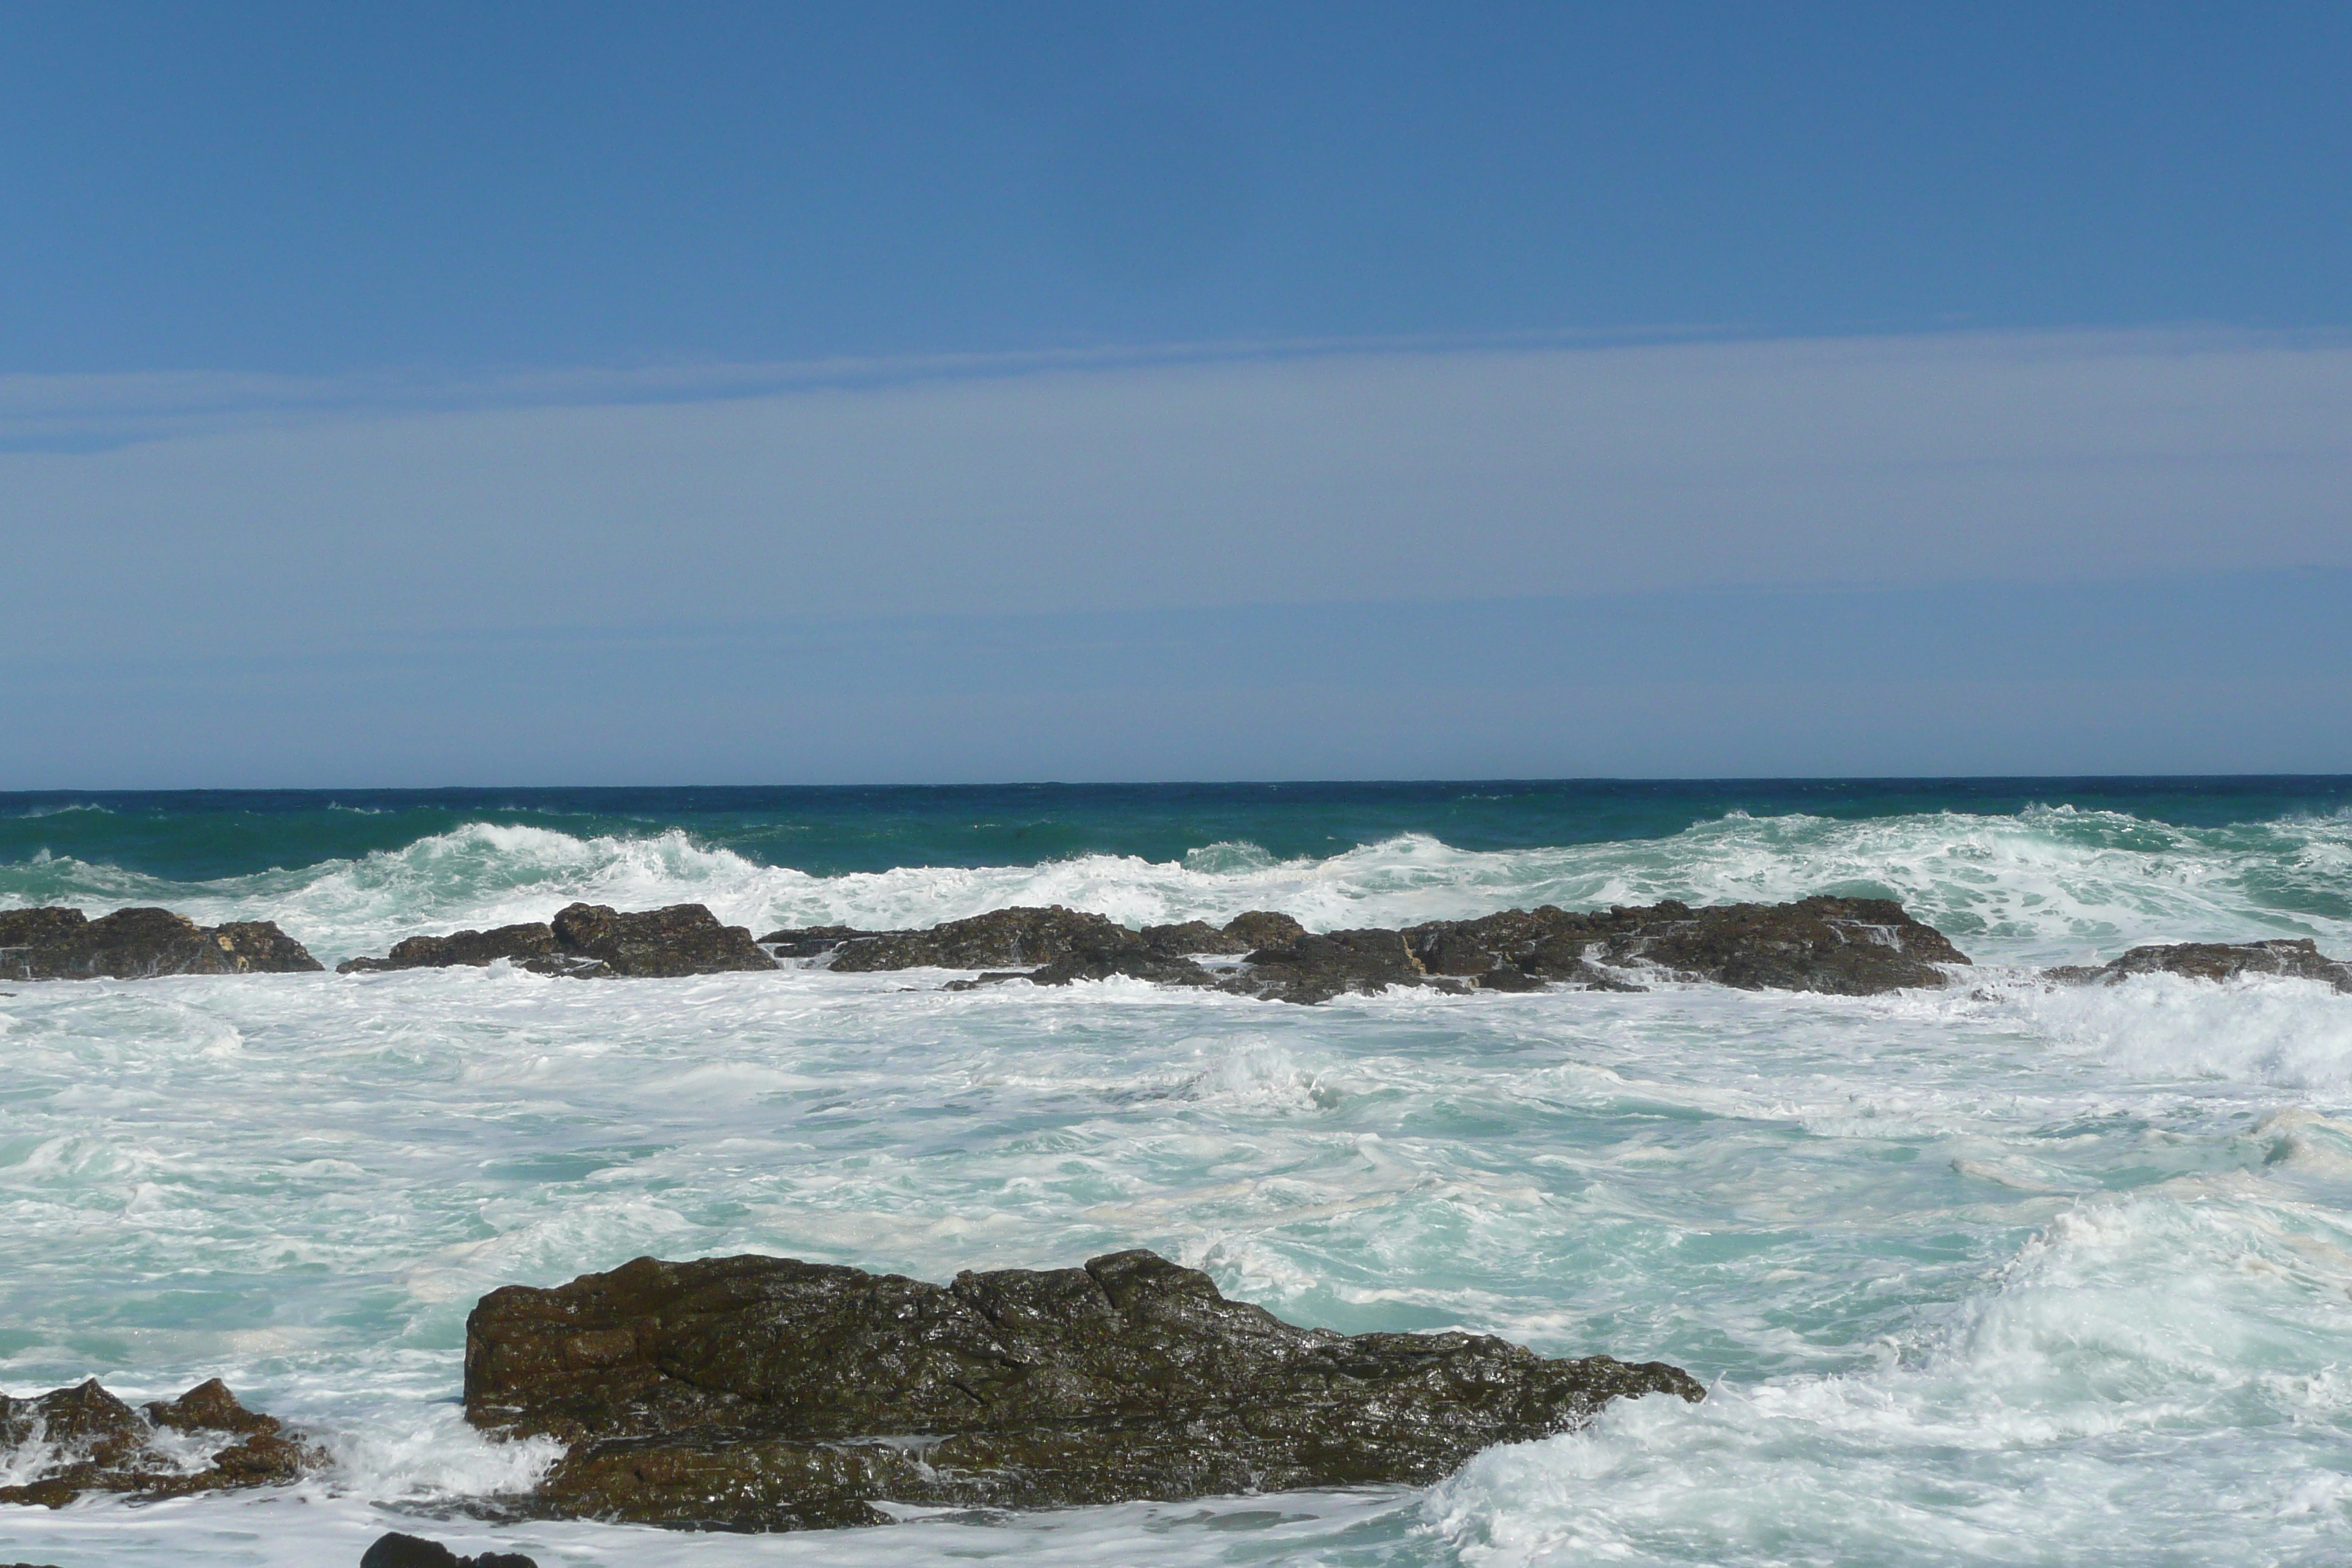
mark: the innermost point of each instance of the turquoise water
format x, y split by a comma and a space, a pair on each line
1989, 1276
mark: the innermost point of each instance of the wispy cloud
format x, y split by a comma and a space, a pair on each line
392, 523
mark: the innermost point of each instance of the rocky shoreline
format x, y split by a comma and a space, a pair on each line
1825, 944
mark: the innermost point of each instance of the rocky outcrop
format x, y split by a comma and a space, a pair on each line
765, 1393
2298, 958
84, 1439
398, 1551
140, 944
589, 942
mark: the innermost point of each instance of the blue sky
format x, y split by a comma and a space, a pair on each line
366, 369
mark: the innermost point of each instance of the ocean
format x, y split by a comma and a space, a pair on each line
1998, 1274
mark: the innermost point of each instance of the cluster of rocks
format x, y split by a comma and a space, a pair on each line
84, 1439
767, 1394
1843, 946
138, 944
588, 942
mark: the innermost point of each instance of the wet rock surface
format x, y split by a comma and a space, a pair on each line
400, 1551
766, 1393
140, 944
2298, 958
588, 942
84, 1439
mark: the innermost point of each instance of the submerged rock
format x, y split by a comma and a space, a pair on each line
84, 1439
2297, 958
588, 942
398, 1551
766, 1393
140, 944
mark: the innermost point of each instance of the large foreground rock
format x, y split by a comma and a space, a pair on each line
588, 940
84, 1439
2298, 959
139, 944
765, 1393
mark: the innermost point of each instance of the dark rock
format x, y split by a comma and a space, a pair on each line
1254, 928
1191, 937
682, 938
808, 942
1851, 947
2297, 958
1506, 978
1159, 968
990, 977
998, 940
39, 927
765, 1393
398, 1551
1316, 968
531, 945
588, 942
141, 943
94, 1442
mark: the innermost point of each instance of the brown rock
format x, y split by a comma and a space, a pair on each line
91, 1441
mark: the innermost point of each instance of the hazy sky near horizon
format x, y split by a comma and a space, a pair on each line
438, 394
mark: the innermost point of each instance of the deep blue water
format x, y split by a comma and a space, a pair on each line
187, 836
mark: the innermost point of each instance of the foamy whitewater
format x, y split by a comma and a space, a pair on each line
1997, 1275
